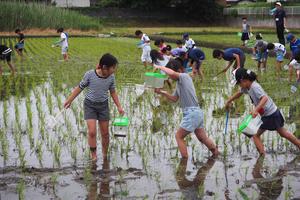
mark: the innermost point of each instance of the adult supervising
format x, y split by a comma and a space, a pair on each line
280, 20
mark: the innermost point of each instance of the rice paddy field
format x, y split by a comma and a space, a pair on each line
38, 162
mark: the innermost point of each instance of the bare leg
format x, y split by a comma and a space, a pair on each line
289, 136
278, 68
66, 57
180, 135
202, 137
104, 137
290, 73
145, 64
258, 143
12, 68
92, 130
1, 71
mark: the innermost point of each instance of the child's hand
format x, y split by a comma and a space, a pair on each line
121, 111
67, 104
156, 67
228, 105
157, 91
254, 113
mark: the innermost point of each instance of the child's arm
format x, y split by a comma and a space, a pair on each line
238, 61
115, 98
172, 74
232, 98
73, 95
166, 94
226, 68
261, 104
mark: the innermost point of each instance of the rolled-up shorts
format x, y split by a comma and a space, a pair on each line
280, 56
295, 64
192, 119
19, 46
64, 50
146, 54
96, 110
262, 56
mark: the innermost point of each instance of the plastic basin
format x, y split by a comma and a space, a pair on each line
155, 80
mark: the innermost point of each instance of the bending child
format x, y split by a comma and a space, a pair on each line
192, 114
271, 116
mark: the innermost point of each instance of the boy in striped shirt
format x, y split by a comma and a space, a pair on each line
5, 54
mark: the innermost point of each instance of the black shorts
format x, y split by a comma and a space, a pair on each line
96, 110
272, 122
245, 36
6, 57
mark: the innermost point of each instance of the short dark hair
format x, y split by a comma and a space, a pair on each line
158, 41
244, 18
60, 30
245, 74
138, 32
217, 53
167, 48
270, 46
179, 42
175, 65
155, 56
17, 30
108, 60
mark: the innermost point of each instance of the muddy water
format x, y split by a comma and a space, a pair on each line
39, 160
145, 164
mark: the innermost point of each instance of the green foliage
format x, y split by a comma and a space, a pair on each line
36, 15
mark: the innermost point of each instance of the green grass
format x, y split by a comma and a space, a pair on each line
42, 16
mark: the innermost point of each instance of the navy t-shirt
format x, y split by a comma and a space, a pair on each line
228, 53
295, 46
21, 37
196, 54
278, 16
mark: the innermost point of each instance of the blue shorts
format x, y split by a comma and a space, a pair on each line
279, 56
19, 46
262, 56
192, 119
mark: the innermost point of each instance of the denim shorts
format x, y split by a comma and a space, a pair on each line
261, 56
280, 56
192, 119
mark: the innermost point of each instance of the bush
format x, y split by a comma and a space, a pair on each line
40, 15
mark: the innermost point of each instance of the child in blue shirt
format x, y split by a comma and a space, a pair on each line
96, 108
192, 114
233, 55
295, 48
271, 116
196, 57
20, 45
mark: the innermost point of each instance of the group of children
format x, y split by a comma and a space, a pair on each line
5, 51
174, 66
262, 48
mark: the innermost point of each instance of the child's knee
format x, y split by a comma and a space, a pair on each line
92, 134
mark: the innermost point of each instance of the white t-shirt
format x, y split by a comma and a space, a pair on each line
189, 44
295, 64
145, 40
64, 43
279, 48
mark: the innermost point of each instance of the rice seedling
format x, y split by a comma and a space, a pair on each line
20, 189
4, 145
57, 152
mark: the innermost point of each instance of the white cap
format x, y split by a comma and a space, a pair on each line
278, 3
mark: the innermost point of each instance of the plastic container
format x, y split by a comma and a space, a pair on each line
154, 80
250, 125
120, 126
239, 34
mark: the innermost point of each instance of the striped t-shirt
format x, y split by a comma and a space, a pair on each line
98, 86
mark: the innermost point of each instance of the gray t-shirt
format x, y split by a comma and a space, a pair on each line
185, 90
261, 46
256, 92
98, 87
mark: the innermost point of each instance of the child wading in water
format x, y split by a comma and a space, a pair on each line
99, 82
264, 105
192, 114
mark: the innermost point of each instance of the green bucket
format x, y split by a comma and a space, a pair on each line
121, 121
155, 75
244, 124
239, 34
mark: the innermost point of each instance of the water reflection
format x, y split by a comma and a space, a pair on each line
193, 189
271, 187
104, 190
